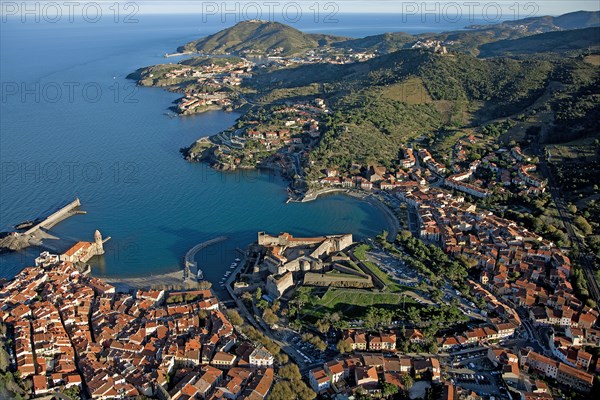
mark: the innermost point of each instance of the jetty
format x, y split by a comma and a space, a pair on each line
312, 195
34, 235
56, 217
185, 53
191, 265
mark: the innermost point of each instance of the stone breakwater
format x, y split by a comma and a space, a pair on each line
15, 241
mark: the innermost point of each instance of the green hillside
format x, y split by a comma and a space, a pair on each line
547, 23
471, 40
259, 37
274, 38
385, 43
206, 61
504, 85
559, 42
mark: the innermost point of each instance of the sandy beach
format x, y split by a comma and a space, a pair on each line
146, 282
392, 220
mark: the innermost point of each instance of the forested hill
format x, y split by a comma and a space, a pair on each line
501, 82
274, 38
547, 23
259, 37
558, 42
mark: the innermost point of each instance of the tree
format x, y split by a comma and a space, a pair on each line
247, 296
276, 306
204, 285
291, 385
295, 325
282, 358
258, 293
404, 235
320, 345
344, 347
4, 360
234, 317
73, 393
282, 390
290, 372
388, 389
270, 317
303, 392
583, 225
335, 317
407, 381
302, 297
322, 325
262, 305
591, 303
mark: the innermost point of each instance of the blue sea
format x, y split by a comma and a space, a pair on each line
72, 125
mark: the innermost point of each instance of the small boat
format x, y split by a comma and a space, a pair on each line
237, 260
24, 225
234, 265
28, 224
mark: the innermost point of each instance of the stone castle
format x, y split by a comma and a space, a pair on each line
285, 256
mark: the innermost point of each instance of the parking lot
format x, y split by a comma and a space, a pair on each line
473, 371
394, 267
307, 351
406, 276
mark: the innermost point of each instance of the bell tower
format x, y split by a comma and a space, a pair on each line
98, 242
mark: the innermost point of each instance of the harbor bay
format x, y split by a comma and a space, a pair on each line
123, 161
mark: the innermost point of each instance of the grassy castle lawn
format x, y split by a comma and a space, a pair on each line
352, 303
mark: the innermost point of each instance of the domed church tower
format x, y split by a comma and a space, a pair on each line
98, 242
